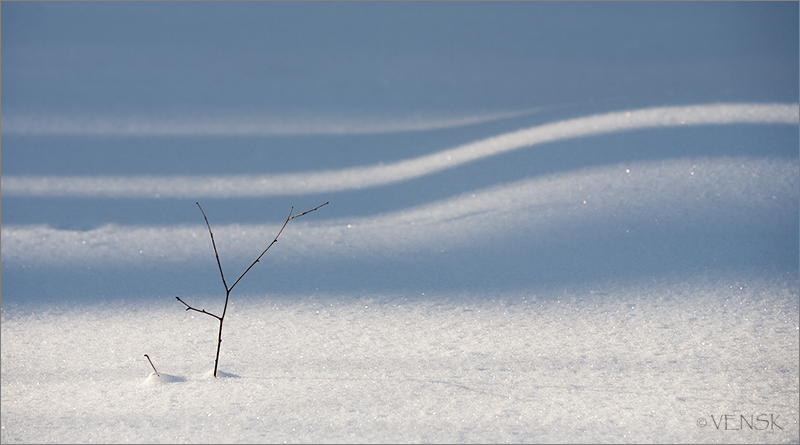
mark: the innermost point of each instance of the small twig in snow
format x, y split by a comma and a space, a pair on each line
222, 275
151, 364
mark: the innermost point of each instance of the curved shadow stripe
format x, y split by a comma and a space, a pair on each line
239, 186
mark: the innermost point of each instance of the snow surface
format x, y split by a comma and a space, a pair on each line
372, 176
616, 364
608, 363
568, 232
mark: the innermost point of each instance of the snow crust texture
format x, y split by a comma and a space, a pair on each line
618, 364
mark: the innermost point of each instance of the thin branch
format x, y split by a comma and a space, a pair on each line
151, 364
202, 311
215, 247
265, 250
288, 218
308, 211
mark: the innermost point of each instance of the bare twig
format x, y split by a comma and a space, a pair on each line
214, 245
306, 212
202, 311
222, 275
151, 364
288, 218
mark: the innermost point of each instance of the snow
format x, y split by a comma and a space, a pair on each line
525, 242
161, 379
372, 176
277, 124
681, 192
612, 364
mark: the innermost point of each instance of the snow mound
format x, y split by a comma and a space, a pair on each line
220, 374
161, 378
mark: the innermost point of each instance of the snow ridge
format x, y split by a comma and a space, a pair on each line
361, 177
704, 191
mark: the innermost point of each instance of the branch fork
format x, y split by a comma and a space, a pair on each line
222, 275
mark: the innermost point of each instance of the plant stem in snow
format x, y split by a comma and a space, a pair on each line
151, 364
222, 275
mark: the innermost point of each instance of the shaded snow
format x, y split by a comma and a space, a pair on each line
277, 124
366, 177
685, 192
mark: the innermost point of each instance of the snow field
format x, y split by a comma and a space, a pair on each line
548, 222
620, 302
625, 363
722, 191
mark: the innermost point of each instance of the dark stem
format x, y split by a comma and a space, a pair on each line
214, 245
151, 364
219, 342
